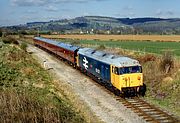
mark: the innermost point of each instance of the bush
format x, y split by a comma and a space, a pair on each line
23, 46
1, 44
15, 42
21, 36
6, 41
146, 58
9, 40
0, 33
96, 39
101, 47
167, 62
15, 54
75, 43
8, 75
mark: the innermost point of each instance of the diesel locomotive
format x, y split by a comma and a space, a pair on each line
121, 74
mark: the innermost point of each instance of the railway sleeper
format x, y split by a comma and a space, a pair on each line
162, 119
150, 120
168, 118
142, 113
165, 120
146, 108
154, 113
149, 110
146, 117
164, 114
139, 105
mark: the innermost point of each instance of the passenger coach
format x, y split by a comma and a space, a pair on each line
65, 51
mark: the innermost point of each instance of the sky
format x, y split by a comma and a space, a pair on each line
14, 12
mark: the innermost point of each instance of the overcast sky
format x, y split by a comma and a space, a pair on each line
22, 11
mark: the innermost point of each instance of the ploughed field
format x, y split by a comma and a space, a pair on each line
175, 38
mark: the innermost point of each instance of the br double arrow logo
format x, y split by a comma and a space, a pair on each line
85, 63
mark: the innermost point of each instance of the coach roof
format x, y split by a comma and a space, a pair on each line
59, 44
116, 60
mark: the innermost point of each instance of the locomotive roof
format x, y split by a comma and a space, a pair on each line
116, 60
59, 44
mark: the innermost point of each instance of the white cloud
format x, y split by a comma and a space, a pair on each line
169, 12
46, 2
164, 13
31, 11
86, 14
28, 2
128, 8
51, 8
159, 12
126, 12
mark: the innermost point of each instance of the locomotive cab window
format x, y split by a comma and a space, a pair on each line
116, 71
132, 69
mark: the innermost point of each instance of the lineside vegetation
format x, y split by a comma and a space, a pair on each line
26, 90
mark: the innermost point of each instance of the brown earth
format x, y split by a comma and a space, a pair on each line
118, 37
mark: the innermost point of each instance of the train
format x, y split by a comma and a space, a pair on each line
121, 74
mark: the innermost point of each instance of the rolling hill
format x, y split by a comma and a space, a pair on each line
105, 25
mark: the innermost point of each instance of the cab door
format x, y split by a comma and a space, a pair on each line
115, 77
112, 75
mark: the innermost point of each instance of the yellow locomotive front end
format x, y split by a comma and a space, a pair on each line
128, 80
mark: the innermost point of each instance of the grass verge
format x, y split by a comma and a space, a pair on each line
25, 89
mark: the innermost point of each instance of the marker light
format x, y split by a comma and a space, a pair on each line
139, 78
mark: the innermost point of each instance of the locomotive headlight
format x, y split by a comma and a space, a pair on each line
139, 78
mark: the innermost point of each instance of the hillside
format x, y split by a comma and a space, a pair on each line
104, 25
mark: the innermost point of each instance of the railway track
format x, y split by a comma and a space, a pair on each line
148, 112
142, 108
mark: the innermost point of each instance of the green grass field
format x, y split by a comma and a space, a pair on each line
143, 46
